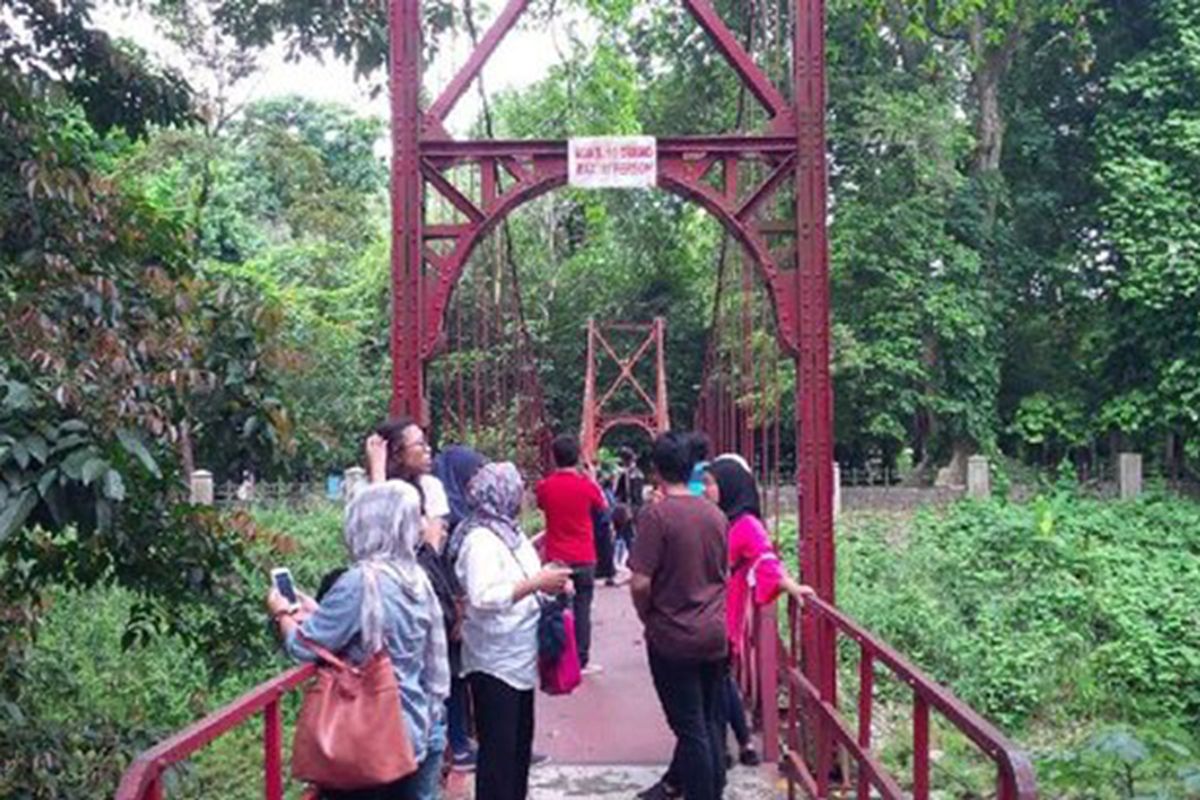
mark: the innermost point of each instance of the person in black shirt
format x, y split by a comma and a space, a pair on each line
629, 489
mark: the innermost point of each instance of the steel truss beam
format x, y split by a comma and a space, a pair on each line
597, 420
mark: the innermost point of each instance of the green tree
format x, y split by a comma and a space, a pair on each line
1149, 170
99, 353
112, 80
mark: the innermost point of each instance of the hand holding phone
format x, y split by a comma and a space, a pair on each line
281, 579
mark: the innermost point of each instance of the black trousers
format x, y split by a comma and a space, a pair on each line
606, 566
403, 789
504, 724
584, 578
692, 694
735, 711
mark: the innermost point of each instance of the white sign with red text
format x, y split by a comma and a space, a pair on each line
613, 162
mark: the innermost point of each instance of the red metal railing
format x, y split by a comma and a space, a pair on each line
813, 732
804, 739
143, 779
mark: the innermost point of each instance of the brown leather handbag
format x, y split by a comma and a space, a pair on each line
351, 732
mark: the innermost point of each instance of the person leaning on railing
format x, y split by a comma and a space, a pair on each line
384, 600
756, 575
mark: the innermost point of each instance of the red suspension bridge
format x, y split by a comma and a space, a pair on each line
768, 191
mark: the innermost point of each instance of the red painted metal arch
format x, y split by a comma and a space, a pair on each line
673, 177
708, 199
450, 277
609, 425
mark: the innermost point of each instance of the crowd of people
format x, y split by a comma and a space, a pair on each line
444, 580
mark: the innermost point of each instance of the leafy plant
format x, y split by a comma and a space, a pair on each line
1068, 621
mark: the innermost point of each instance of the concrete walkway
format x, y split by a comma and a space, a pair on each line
622, 783
608, 738
614, 717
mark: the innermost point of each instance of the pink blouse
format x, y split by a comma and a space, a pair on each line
754, 570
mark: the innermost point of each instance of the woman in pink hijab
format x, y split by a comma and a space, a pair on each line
755, 572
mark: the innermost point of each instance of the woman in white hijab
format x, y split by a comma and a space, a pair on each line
384, 600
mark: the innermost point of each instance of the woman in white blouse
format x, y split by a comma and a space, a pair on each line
501, 575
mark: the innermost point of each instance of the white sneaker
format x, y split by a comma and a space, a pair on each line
591, 669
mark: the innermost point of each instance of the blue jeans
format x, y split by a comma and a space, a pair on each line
427, 779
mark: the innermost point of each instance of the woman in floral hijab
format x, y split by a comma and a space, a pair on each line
501, 576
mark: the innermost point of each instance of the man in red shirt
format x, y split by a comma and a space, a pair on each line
567, 498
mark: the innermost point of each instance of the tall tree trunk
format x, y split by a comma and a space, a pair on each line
992, 62
927, 421
1171, 455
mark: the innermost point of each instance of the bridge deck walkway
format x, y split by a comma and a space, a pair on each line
608, 739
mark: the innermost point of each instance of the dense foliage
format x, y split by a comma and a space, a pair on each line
1070, 622
89, 704
141, 339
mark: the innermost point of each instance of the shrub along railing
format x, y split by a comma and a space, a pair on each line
815, 745
144, 778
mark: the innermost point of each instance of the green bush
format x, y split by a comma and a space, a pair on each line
91, 697
1070, 622
1064, 605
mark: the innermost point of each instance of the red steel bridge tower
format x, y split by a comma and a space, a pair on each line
736, 178
599, 417
789, 251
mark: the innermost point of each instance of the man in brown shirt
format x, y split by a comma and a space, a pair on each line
678, 588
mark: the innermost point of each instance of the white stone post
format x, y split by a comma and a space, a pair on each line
979, 478
355, 479
1130, 475
202, 488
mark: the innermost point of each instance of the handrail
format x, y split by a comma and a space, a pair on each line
804, 739
143, 779
821, 622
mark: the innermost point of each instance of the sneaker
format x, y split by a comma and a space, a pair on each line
749, 757
591, 669
538, 759
464, 762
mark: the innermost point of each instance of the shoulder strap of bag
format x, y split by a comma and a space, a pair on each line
323, 654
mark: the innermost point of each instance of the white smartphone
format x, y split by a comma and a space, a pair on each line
281, 577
